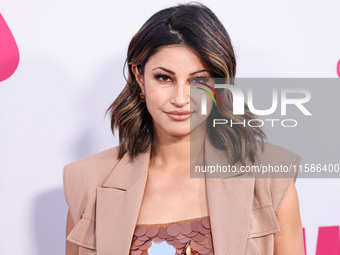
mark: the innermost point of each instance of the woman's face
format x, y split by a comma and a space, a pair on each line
169, 89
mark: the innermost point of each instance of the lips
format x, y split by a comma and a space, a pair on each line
179, 115
179, 112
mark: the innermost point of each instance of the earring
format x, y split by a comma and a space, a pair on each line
142, 97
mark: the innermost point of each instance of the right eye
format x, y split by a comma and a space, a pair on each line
162, 77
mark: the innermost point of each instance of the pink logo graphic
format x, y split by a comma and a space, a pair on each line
338, 68
9, 53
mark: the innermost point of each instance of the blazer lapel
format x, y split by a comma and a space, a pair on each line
118, 203
120, 197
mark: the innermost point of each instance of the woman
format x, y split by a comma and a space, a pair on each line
126, 199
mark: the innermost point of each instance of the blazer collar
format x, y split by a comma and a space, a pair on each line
120, 197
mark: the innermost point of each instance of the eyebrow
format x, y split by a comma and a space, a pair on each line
203, 70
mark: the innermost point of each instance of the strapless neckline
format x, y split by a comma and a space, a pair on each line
173, 222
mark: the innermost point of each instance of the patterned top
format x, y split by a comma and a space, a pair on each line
191, 236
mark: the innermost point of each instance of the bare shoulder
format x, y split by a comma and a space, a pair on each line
289, 219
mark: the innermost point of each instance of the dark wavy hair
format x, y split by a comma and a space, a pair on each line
196, 26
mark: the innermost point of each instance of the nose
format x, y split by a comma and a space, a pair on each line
180, 94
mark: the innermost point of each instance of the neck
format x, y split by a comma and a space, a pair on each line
177, 153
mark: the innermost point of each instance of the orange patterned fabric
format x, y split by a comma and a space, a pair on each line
192, 236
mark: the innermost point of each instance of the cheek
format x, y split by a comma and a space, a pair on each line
196, 101
156, 100
210, 104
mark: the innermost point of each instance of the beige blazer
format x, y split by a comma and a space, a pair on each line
104, 196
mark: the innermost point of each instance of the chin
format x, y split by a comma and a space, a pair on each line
179, 133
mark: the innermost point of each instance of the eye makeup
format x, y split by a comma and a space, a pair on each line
198, 79
161, 77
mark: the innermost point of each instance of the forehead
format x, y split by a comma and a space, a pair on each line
176, 58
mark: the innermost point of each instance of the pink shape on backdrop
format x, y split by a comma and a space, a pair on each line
338, 68
304, 240
328, 241
9, 53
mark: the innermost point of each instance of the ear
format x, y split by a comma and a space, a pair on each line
139, 77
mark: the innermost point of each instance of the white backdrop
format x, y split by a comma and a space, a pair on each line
71, 68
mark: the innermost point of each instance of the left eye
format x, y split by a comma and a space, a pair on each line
200, 80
